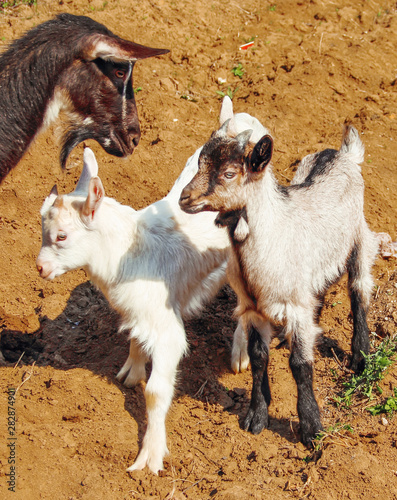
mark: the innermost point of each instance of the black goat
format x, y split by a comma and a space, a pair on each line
75, 64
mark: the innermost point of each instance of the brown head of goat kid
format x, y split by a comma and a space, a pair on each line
289, 244
75, 64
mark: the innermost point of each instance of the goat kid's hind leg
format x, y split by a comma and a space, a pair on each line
133, 370
240, 357
168, 349
301, 363
258, 348
360, 288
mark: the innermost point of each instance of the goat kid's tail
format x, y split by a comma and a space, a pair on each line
352, 145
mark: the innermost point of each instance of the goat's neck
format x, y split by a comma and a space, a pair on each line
29, 75
116, 237
265, 201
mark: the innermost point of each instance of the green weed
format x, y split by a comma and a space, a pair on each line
389, 406
238, 70
9, 4
229, 92
366, 384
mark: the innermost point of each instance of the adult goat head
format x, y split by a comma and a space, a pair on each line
75, 64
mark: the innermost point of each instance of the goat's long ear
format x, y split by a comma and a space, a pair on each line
261, 154
226, 110
117, 50
94, 199
227, 115
90, 169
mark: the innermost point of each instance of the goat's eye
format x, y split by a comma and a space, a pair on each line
229, 175
119, 73
61, 236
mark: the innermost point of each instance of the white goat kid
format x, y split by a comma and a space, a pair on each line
155, 266
151, 273
289, 244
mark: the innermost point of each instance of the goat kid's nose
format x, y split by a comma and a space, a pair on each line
43, 271
185, 196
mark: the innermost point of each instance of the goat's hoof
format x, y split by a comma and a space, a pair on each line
357, 364
130, 377
144, 460
240, 363
256, 420
309, 435
240, 358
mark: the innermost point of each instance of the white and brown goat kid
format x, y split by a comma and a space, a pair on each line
289, 244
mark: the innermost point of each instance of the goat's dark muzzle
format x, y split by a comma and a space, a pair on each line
121, 145
114, 143
188, 204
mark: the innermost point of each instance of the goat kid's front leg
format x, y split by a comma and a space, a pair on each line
133, 370
168, 350
301, 363
258, 348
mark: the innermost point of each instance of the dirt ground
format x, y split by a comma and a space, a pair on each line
312, 66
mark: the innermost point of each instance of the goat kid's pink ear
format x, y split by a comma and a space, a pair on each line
261, 154
118, 50
94, 199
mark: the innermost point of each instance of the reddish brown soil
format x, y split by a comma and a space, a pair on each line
313, 65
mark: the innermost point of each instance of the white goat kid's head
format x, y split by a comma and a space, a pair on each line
66, 222
226, 165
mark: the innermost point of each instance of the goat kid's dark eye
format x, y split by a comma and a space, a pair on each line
229, 175
61, 237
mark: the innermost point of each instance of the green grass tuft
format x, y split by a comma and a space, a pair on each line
365, 385
389, 406
9, 4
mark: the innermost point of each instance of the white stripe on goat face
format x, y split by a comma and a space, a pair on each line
124, 108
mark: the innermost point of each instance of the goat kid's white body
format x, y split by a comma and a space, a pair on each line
156, 266
299, 243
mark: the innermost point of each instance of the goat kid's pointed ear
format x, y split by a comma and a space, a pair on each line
117, 50
54, 190
226, 110
94, 199
261, 154
90, 169
227, 115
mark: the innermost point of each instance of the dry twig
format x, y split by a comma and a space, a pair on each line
25, 379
